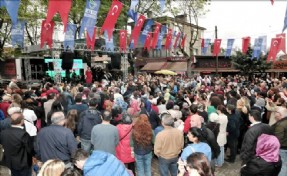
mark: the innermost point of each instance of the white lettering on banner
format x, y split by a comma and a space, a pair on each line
17, 32
90, 12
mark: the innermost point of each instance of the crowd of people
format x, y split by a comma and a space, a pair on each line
191, 126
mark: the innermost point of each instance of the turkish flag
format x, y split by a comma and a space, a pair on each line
155, 35
91, 41
137, 29
47, 31
176, 40
283, 41
183, 41
245, 44
216, 47
274, 49
168, 38
112, 18
148, 40
61, 6
123, 40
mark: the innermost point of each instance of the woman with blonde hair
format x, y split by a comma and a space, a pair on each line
72, 119
242, 109
53, 167
16, 100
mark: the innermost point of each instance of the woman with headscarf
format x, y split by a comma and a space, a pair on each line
267, 161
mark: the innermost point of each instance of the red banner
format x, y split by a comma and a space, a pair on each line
91, 41
123, 40
168, 38
283, 42
148, 40
183, 41
137, 29
216, 47
61, 6
176, 40
47, 31
202, 43
274, 49
112, 18
155, 35
245, 44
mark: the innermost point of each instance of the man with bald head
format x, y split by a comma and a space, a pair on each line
56, 141
18, 147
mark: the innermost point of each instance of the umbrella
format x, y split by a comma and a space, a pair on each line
165, 72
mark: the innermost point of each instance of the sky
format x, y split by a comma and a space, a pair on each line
238, 19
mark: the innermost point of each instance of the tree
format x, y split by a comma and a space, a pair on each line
248, 66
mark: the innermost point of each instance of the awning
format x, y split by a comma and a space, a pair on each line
176, 66
214, 70
153, 66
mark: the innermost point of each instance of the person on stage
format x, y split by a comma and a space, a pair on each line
89, 76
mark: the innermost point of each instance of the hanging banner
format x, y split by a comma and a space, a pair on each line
145, 31
257, 48
47, 31
109, 42
62, 7
90, 16
229, 47
155, 35
283, 41
132, 11
90, 41
172, 39
264, 44
245, 44
148, 40
168, 39
123, 40
160, 37
162, 5
216, 47
206, 43
176, 40
136, 31
17, 34
69, 41
12, 8
183, 41
112, 18
274, 49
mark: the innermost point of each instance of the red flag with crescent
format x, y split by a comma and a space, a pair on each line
168, 38
176, 40
47, 31
216, 47
274, 49
245, 44
61, 6
90, 41
155, 35
112, 18
183, 41
137, 29
123, 40
283, 41
148, 40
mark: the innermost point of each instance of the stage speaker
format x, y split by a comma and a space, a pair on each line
67, 60
50, 66
116, 61
45, 66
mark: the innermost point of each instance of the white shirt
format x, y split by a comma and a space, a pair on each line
29, 115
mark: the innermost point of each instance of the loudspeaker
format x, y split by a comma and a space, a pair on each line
45, 66
67, 60
116, 61
51, 66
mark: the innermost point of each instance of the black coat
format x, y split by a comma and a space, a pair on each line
259, 167
233, 127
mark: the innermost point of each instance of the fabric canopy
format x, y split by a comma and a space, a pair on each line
176, 66
153, 66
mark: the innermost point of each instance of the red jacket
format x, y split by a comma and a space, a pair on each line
4, 106
123, 150
187, 124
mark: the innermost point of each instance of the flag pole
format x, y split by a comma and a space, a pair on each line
216, 69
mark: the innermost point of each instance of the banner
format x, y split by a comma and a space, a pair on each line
12, 8
176, 40
63, 7
90, 41
145, 31
155, 35
132, 11
285, 21
162, 5
109, 42
283, 41
245, 44
274, 49
160, 37
257, 48
172, 39
183, 41
90, 16
147, 44
112, 18
136, 31
69, 41
216, 47
168, 39
123, 40
229, 47
206, 43
47, 31
202, 43
17, 33
264, 44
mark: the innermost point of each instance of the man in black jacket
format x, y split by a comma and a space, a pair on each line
18, 147
250, 139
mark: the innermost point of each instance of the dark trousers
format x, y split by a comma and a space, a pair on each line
232, 145
131, 166
23, 172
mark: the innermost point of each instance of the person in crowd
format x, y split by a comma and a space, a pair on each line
89, 76
214, 102
47, 105
280, 131
104, 131
56, 107
168, 145
267, 161
18, 147
71, 172
5, 104
142, 145
109, 102
79, 106
50, 89
56, 141
52, 167
13, 84
71, 119
99, 163
243, 109
187, 122
213, 124
16, 100
257, 128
